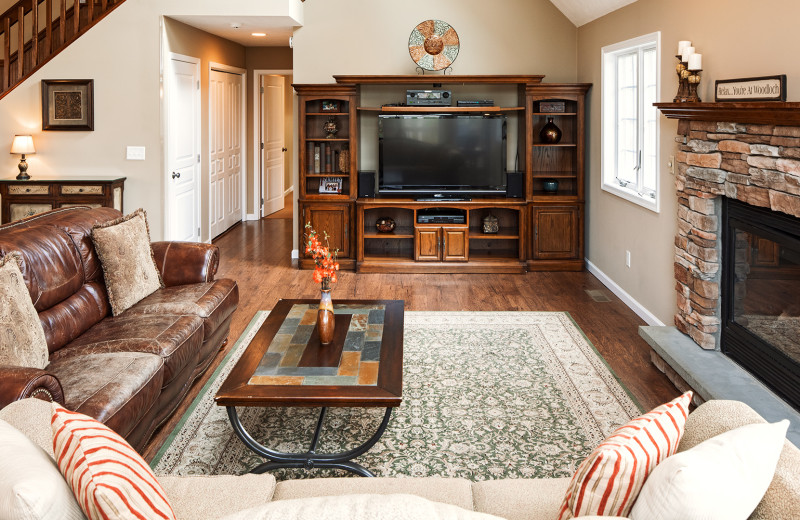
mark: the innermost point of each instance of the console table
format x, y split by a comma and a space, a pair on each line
22, 199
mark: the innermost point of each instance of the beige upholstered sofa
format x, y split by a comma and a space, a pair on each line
211, 497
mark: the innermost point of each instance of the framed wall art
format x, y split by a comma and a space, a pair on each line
67, 104
763, 88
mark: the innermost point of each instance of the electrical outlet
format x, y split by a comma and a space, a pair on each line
135, 153
627, 258
671, 165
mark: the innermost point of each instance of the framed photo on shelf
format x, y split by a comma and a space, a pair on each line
330, 185
330, 105
67, 104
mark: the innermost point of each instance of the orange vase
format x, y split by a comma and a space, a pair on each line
325, 318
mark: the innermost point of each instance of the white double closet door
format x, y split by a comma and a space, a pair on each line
225, 148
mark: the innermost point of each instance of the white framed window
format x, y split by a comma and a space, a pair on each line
630, 151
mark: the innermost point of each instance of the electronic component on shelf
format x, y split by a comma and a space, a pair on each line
437, 98
475, 103
442, 218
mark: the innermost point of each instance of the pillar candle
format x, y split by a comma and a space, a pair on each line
695, 62
682, 45
687, 51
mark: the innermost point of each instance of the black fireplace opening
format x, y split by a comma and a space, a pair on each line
760, 295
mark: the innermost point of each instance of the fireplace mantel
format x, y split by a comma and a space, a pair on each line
763, 113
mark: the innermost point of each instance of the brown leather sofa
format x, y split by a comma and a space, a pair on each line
129, 371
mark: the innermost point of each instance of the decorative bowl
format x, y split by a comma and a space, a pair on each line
385, 225
550, 185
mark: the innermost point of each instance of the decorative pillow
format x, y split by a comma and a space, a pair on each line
722, 478
359, 507
31, 487
107, 476
22, 341
608, 481
129, 268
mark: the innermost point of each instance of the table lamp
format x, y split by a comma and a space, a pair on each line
23, 144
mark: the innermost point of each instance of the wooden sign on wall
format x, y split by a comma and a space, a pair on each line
765, 88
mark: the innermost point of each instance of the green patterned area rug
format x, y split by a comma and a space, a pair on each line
486, 395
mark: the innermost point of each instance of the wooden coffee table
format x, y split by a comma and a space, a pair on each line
285, 365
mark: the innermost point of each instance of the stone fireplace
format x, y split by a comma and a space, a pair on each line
759, 165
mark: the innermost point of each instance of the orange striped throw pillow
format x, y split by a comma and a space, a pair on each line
608, 481
107, 476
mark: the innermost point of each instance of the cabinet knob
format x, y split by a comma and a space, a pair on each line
176, 175
80, 190
284, 149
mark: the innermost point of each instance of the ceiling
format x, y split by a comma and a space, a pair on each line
279, 28
240, 28
581, 12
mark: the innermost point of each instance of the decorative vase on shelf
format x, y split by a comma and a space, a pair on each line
550, 133
326, 321
330, 127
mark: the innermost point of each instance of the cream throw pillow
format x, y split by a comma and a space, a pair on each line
31, 487
359, 507
724, 477
129, 269
22, 340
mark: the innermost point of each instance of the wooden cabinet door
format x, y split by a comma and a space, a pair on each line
455, 246
556, 233
427, 244
331, 218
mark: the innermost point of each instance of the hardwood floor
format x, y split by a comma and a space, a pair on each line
257, 255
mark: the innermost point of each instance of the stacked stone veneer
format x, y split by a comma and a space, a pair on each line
756, 164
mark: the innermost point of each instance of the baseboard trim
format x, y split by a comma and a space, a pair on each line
626, 298
251, 216
295, 254
288, 191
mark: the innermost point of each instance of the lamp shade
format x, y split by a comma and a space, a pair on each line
22, 144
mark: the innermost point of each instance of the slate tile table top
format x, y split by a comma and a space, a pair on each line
285, 364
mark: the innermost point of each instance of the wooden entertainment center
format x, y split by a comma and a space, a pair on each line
541, 230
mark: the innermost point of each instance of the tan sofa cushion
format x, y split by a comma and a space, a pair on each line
712, 418
520, 499
454, 491
212, 497
360, 507
31, 417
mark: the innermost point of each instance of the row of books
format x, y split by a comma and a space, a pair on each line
322, 158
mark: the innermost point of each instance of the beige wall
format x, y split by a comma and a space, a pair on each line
371, 37
736, 40
269, 59
123, 55
186, 40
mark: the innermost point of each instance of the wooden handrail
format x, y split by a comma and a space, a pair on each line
44, 43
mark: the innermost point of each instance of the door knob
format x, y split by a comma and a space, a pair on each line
176, 175
284, 149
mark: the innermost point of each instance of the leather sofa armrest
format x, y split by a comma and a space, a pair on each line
183, 263
19, 383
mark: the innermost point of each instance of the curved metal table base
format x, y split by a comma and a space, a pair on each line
310, 459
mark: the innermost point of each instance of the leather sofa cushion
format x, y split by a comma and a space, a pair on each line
116, 388
51, 265
69, 319
212, 301
176, 339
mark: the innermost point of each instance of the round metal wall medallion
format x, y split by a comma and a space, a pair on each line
433, 45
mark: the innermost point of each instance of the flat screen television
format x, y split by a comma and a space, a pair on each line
442, 154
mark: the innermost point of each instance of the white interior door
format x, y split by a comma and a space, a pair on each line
183, 149
225, 148
273, 147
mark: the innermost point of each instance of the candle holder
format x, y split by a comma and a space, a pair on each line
693, 80
683, 81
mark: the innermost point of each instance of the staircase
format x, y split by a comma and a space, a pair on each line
34, 31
